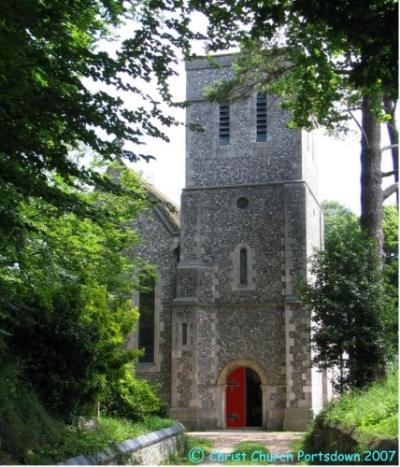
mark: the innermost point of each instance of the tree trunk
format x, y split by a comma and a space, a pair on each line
390, 108
371, 176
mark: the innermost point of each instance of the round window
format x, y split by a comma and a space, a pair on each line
242, 203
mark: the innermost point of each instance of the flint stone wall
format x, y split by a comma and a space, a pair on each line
158, 247
244, 160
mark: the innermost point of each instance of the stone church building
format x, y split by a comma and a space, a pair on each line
224, 334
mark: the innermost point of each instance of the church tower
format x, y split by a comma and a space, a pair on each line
250, 219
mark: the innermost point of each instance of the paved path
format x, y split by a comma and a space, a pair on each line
277, 442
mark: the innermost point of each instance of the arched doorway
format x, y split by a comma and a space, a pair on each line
243, 398
221, 386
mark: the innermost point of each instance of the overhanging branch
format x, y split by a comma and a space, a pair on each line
389, 174
390, 190
389, 147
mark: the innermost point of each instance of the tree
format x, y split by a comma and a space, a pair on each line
354, 318
65, 282
66, 308
371, 34
324, 61
391, 278
60, 89
335, 214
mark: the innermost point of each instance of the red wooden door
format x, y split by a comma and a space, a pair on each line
235, 398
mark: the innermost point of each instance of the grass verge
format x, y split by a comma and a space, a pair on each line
190, 443
374, 411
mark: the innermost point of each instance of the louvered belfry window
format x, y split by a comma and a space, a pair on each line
224, 130
261, 117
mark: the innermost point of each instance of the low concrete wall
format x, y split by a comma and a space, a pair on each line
152, 448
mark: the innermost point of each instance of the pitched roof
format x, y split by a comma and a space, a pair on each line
166, 210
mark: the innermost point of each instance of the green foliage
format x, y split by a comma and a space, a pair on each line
24, 423
66, 306
347, 299
373, 412
130, 397
180, 457
30, 435
335, 214
71, 352
326, 59
108, 433
63, 71
65, 277
390, 226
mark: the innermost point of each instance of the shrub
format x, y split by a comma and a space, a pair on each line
131, 397
72, 351
24, 422
347, 301
108, 433
373, 412
67, 308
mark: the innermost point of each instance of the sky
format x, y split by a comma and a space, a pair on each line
338, 159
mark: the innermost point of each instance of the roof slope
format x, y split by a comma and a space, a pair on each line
166, 210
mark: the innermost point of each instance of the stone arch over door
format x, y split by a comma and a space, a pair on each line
221, 387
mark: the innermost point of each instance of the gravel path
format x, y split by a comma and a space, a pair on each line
277, 442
